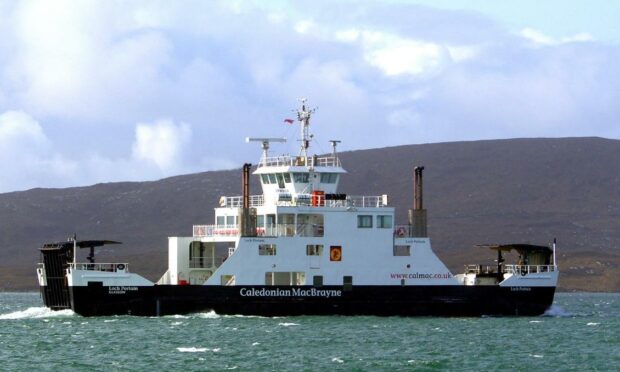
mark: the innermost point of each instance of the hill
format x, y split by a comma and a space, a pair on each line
499, 191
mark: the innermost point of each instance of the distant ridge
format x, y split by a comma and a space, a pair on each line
492, 191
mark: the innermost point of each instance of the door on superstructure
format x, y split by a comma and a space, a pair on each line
314, 253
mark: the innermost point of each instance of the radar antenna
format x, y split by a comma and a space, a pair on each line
265, 145
334, 144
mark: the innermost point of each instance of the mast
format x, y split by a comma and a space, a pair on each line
303, 116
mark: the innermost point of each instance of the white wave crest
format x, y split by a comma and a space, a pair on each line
556, 311
197, 349
337, 360
593, 324
288, 324
192, 349
37, 313
210, 315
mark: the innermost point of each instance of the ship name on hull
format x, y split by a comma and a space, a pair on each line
293, 292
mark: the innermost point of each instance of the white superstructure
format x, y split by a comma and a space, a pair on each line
303, 232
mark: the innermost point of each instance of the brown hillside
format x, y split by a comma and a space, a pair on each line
520, 190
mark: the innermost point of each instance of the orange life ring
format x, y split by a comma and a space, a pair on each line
335, 254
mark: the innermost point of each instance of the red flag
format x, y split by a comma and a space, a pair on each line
289, 121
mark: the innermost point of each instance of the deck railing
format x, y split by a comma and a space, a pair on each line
509, 269
300, 161
528, 269
107, 267
373, 201
205, 262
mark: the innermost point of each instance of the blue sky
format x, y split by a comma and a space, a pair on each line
103, 91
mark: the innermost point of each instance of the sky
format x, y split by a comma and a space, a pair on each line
106, 91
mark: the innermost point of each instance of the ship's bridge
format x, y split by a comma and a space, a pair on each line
287, 178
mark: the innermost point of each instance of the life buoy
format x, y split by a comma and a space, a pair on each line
400, 232
335, 253
120, 267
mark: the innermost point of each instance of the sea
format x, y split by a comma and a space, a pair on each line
580, 332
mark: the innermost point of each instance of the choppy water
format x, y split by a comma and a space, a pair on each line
581, 332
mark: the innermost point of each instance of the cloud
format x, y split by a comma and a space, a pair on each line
161, 143
27, 156
103, 74
541, 39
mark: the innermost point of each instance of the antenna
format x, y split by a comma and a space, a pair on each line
303, 116
334, 144
265, 144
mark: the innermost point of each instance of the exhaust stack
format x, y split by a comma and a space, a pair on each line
417, 215
248, 215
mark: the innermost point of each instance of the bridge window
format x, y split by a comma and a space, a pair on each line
266, 249
300, 177
329, 177
221, 220
384, 221
272, 178
280, 178
265, 179
314, 250
364, 221
287, 177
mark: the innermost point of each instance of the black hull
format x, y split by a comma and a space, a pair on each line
307, 300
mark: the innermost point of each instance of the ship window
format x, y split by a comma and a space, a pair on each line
314, 250
329, 177
317, 280
347, 282
260, 220
285, 278
364, 221
280, 178
310, 225
228, 279
220, 220
384, 222
265, 179
272, 178
286, 224
300, 177
402, 250
266, 249
287, 177
230, 220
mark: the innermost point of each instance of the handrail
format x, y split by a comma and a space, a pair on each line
205, 262
360, 201
528, 269
297, 161
106, 267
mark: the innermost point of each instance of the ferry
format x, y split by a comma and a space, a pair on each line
303, 247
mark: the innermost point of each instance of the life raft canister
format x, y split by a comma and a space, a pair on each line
335, 253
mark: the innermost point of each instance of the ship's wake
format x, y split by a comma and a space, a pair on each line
557, 312
37, 313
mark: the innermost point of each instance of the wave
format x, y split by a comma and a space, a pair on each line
210, 315
556, 311
288, 324
197, 349
37, 313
